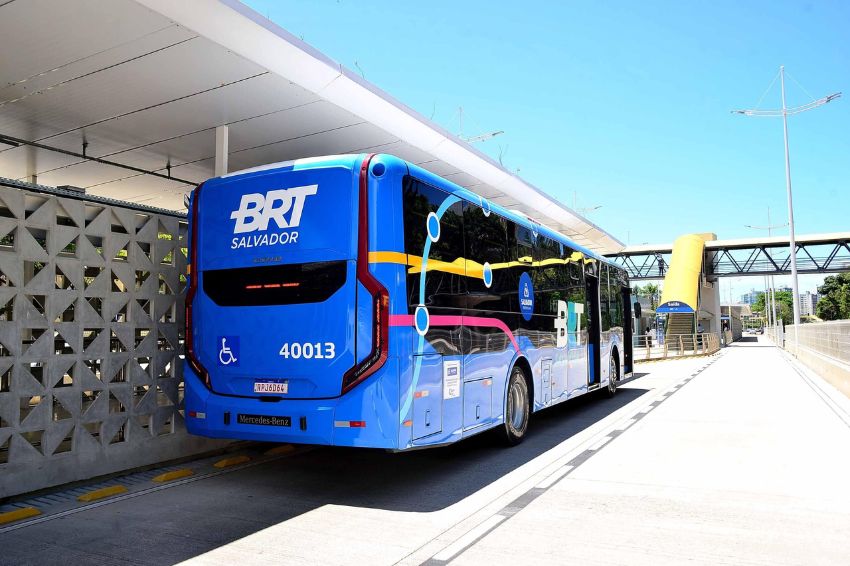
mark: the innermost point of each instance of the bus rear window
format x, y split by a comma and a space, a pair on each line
275, 284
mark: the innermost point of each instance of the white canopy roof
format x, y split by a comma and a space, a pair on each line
146, 82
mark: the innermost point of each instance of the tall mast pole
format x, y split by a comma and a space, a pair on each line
793, 243
784, 112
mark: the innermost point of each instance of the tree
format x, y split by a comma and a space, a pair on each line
652, 292
784, 306
834, 303
758, 305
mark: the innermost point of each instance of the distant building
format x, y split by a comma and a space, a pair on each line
751, 297
808, 303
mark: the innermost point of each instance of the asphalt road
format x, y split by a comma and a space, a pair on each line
733, 459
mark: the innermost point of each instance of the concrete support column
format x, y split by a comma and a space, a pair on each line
710, 303
221, 150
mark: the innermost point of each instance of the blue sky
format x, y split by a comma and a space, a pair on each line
621, 105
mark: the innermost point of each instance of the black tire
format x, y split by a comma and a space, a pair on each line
517, 408
613, 376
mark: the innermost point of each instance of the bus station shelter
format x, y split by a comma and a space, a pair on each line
111, 111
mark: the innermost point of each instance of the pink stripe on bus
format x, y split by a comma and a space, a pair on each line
440, 320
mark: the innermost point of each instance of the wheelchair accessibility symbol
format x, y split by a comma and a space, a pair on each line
228, 353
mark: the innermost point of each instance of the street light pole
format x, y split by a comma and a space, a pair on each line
792, 243
785, 112
770, 289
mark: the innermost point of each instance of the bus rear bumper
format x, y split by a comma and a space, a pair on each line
308, 421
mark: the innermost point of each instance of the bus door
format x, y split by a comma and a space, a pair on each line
593, 330
628, 322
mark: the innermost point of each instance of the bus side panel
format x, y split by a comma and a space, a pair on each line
490, 357
375, 404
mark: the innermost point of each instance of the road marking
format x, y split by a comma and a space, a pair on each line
232, 461
602, 442
101, 493
173, 475
469, 538
553, 478
18, 514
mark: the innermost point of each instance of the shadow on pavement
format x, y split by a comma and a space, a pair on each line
202, 516
752, 342
430, 480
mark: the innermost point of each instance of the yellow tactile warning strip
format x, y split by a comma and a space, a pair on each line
54, 505
173, 475
101, 493
232, 461
18, 514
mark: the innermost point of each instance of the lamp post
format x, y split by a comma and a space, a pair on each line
770, 295
785, 112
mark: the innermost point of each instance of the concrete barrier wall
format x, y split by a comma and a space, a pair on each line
91, 338
824, 347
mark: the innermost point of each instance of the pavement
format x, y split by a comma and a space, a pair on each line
737, 458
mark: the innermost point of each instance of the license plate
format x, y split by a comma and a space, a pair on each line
268, 420
271, 387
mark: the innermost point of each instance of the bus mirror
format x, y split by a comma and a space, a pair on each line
637, 310
186, 200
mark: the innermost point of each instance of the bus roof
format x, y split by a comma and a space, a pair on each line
354, 160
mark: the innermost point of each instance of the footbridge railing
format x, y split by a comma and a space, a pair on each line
648, 347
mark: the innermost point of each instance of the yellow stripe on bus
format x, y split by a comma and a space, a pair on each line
467, 267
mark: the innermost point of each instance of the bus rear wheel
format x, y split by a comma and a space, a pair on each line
517, 408
613, 376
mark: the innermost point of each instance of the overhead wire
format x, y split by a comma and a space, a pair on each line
799, 85
770, 86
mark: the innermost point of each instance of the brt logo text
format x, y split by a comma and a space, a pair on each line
283, 206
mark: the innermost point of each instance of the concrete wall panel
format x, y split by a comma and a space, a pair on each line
91, 338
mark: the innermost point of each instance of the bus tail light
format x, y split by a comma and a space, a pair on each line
189, 340
380, 297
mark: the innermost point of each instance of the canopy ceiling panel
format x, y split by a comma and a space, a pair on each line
148, 81
138, 189
349, 139
56, 35
145, 83
189, 115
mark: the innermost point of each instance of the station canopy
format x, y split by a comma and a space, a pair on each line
145, 83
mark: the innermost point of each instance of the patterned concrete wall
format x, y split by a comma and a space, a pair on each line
91, 331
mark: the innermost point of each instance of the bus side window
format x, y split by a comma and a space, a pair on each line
487, 243
574, 261
525, 242
549, 277
616, 283
444, 286
604, 298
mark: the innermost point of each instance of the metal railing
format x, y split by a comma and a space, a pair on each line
648, 347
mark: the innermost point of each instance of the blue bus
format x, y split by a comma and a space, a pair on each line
360, 300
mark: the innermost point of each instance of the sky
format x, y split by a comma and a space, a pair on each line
624, 106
